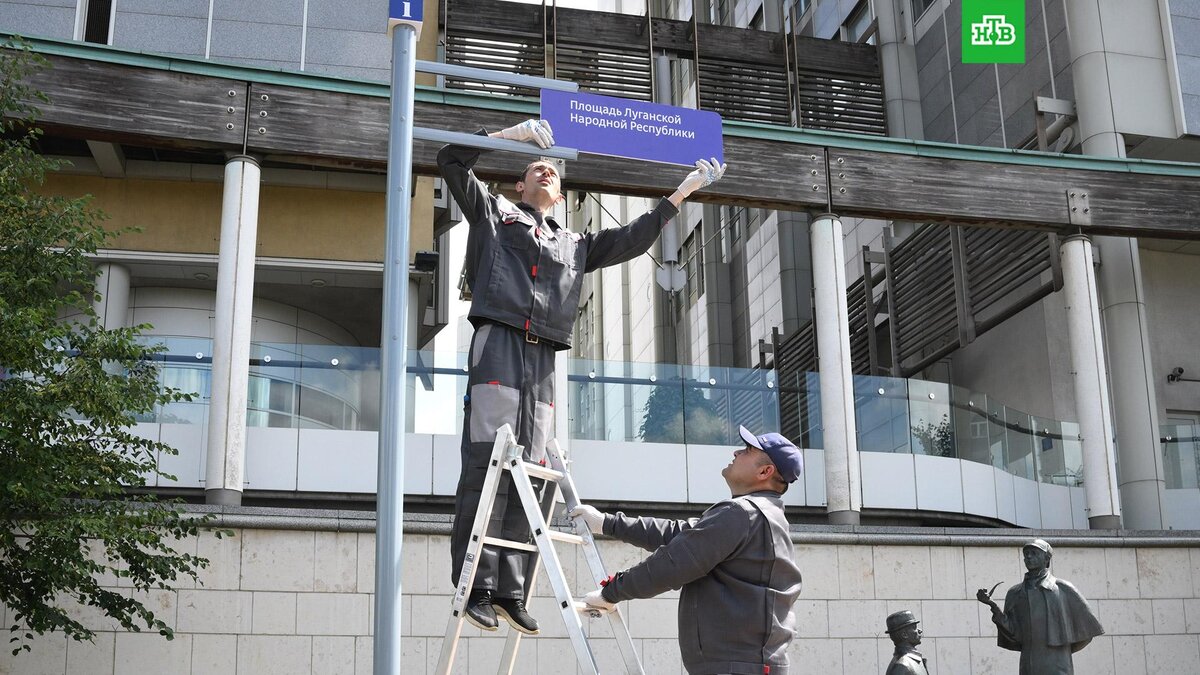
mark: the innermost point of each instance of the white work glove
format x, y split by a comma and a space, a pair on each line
706, 173
533, 131
589, 515
596, 602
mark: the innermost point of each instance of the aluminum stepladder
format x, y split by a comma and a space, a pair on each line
507, 456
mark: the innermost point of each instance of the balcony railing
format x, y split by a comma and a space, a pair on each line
743, 74
1181, 455
337, 388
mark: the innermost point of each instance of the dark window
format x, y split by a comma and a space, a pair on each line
96, 23
759, 21
693, 262
919, 7
857, 24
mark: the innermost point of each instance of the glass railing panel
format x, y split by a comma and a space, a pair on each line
930, 425
313, 387
334, 383
1181, 455
1072, 441
997, 433
437, 383
972, 435
881, 414
617, 401
800, 408
186, 365
667, 403
1020, 444
812, 429
1057, 463
272, 396
716, 400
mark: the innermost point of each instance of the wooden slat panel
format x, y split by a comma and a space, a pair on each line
487, 16
483, 34
740, 44
743, 74
836, 57
602, 29
674, 36
922, 291
839, 87
610, 70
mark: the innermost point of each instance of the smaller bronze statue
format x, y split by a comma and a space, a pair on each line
1044, 618
902, 627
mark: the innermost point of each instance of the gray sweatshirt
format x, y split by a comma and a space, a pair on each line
738, 577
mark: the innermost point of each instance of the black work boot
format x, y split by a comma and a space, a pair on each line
513, 611
479, 610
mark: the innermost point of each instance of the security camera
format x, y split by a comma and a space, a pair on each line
1175, 375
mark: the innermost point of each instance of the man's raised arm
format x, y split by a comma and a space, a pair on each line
456, 163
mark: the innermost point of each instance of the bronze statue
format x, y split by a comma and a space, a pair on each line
902, 627
1044, 618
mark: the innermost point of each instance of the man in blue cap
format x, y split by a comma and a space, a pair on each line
734, 564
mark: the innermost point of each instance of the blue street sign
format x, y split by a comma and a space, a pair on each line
621, 127
406, 11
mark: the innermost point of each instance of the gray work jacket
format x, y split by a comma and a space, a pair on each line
519, 275
738, 577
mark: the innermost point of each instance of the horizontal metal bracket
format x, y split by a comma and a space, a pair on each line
499, 77
1057, 106
486, 143
1079, 210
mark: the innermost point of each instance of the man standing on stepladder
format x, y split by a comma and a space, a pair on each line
525, 272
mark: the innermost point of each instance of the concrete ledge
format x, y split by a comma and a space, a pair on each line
332, 520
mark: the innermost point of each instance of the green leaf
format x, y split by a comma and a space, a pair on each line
69, 393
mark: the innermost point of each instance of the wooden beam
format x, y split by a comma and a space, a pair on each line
320, 126
321, 121
130, 104
915, 187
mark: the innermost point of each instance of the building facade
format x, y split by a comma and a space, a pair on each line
958, 408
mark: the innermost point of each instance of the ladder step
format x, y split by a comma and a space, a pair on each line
539, 471
508, 543
565, 537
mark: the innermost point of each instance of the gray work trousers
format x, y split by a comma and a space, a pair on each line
510, 381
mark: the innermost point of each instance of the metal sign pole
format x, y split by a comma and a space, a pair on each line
389, 528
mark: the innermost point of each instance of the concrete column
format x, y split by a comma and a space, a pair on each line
1122, 292
112, 285
842, 483
225, 465
1090, 383
898, 61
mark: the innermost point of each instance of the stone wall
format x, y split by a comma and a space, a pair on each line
292, 595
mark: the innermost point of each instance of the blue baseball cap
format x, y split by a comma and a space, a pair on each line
784, 454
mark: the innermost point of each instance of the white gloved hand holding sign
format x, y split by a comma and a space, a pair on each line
706, 173
596, 603
590, 516
537, 132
